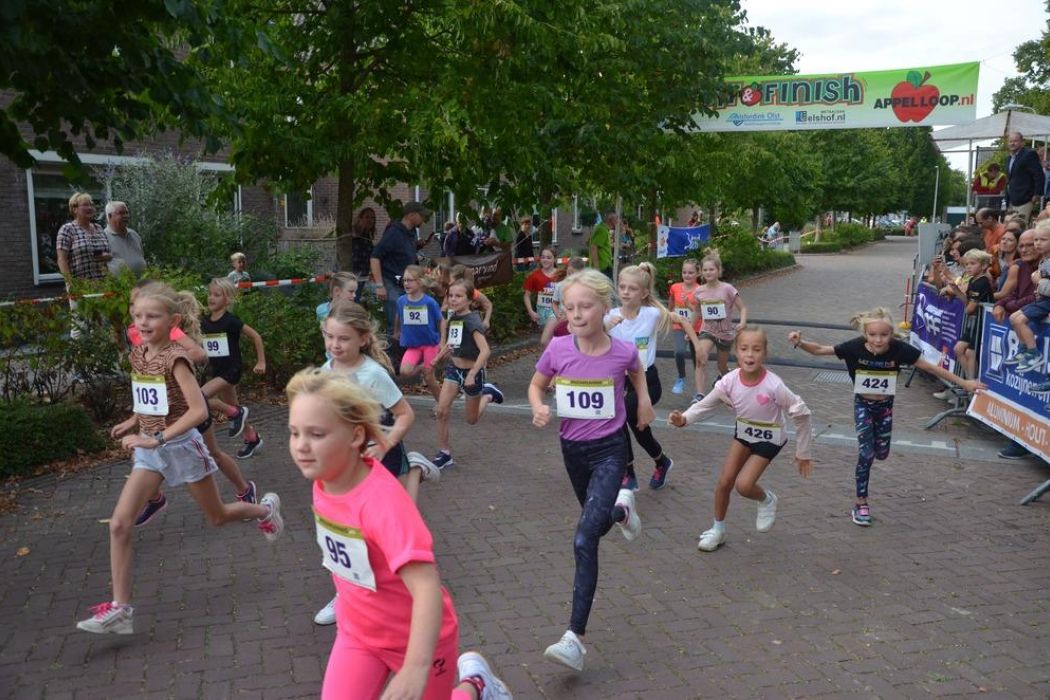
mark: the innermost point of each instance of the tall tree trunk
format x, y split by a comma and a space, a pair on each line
344, 216
754, 217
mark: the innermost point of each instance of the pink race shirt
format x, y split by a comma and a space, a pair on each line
726, 293
563, 359
136, 340
385, 524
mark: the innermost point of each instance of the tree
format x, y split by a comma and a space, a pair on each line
102, 71
1032, 87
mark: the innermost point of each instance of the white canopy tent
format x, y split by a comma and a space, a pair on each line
960, 139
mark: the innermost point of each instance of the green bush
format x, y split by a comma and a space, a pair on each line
508, 309
288, 326
851, 235
37, 434
822, 247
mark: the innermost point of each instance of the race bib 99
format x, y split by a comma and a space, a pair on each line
216, 345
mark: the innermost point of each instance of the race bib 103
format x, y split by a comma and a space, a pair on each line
150, 394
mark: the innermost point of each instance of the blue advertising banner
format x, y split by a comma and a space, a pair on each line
674, 241
936, 324
1009, 405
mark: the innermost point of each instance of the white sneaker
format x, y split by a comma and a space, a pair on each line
326, 615
428, 471
710, 540
767, 513
631, 526
946, 395
273, 524
108, 618
567, 651
472, 663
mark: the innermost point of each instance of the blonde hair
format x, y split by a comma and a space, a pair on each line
342, 280
751, 328
594, 281
420, 274
354, 315
692, 261
979, 255
350, 402
861, 319
183, 303
238, 256
468, 287
715, 259
76, 200
226, 287
645, 273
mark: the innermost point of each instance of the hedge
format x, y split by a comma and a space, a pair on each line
36, 434
822, 247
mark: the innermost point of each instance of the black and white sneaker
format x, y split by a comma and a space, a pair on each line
250, 446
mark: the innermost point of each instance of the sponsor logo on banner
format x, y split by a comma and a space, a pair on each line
737, 119
936, 325
824, 116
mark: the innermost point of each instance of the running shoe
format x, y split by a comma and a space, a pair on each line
945, 395
1022, 355
250, 447
326, 615
679, 386
428, 471
108, 618
656, 481
443, 460
1013, 451
249, 495
767, 513
471, 664
567, 651
712, 539
697, 397
238, 421
861, 514
631, 526
152, 509
630, 481
493, 391
1031, 363
273, 524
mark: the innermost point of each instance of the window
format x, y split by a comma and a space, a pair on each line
49, 194
298, 209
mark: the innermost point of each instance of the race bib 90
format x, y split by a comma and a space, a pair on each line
150, 394
589, 399
712, 310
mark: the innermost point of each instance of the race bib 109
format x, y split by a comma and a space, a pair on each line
150, 395
345, 553
589, 399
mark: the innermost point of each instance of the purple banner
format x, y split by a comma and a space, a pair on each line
936, 324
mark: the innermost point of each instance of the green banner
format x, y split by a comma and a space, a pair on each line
933, 95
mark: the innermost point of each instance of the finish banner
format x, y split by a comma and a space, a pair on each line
926, 96
936, 325
1009, 405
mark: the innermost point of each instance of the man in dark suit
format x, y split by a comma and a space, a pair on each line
1025, 179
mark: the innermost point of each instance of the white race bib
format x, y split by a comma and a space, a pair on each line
216, 345
643, 350
589, 399
455, 334
755, 431
875, 382
416, 316
684, 313
345, 553
545, 299
150, 394
712, 310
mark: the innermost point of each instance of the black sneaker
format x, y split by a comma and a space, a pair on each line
151, 510
238, 422
249, 495
443, 460
1013, 451
659, 476
250, 446
493, 391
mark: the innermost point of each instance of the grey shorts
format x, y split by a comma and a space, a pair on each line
184, 460
721, 345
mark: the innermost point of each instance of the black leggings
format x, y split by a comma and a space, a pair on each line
645, 437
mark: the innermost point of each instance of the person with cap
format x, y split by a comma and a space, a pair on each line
396, 250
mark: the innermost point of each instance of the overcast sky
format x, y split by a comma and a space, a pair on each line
859, 35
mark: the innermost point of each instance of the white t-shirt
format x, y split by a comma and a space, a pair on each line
371, 375
640, 331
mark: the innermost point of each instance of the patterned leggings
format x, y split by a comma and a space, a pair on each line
874, 422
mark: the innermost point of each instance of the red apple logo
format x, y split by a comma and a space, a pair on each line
913, 99
750, 95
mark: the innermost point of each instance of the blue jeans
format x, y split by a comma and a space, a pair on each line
393, 293
595, 469
874, 422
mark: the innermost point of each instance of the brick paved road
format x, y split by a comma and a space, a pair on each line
945, 595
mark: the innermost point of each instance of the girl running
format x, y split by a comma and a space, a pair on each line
873, 362
760, 400
468, 349
716, 301
418, 328
222, 341
396, 621
638, 322
541, 282
342, 285
166, 446
351, 337
683, 305
591, 369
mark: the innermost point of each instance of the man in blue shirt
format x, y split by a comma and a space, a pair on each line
395, 251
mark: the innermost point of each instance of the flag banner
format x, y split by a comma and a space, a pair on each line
936, 325
926, 96
1009, 405
674, 241
489, 270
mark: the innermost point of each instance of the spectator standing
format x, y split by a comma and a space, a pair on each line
600, 245
1025, 179
523, 243
239, 273
500, 236
396, 250
363, 236
83, 250
125, 244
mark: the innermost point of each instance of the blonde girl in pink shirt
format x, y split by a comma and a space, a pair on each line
761, 401
397, 632
715, 303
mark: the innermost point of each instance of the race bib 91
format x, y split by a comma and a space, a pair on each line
345, 553
755, 431
455, 334
589, 399
216, 345
712, 310
684, 313
150, 394
415, 316
875, 382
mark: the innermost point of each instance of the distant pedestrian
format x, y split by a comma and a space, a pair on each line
239, 273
